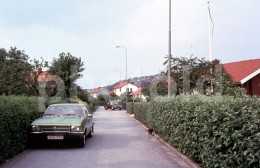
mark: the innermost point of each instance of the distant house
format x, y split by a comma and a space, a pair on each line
112, 91
99, 91
45, 76
122, 88
138, 94
246, 74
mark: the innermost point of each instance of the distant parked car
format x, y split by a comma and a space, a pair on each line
64, 122
112, 105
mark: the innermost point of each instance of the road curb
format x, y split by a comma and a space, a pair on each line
174, 150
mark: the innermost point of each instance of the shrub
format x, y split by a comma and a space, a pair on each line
16, 115
213, 131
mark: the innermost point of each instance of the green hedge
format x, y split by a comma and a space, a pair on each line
139, 109
212, 131
130, 107
16, 115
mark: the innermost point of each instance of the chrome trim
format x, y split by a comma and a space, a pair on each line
55, 128
76, 132
57, 132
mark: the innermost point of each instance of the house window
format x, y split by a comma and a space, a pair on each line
131, 89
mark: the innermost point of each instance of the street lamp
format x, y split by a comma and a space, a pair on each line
125, 72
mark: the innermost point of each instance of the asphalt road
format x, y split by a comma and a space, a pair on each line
118, 142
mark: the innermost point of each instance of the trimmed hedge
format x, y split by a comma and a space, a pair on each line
213, 131
130, 108
139, 109
16, 115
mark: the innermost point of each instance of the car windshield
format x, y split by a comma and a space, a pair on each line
66, 110
114, 103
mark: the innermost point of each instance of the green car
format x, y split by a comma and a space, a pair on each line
64, 122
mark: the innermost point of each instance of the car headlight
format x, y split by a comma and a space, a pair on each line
76, 128
35, 128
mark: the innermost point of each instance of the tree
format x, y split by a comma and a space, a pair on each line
69, 69
15, 70
200, 74
33, 83
83, 95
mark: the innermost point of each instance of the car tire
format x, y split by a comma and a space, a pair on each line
82, 141
90, 133
119, 108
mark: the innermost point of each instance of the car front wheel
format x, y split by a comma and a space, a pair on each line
90, 133
82, 141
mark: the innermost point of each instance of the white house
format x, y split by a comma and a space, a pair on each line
122, 88
138, 94
99, 91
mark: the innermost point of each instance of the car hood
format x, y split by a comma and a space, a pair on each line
58, 120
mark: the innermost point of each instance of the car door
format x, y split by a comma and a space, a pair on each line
89, 119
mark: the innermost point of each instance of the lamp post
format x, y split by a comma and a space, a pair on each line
125, 72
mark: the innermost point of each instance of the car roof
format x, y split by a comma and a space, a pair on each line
67, 104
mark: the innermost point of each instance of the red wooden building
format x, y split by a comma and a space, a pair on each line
246, 74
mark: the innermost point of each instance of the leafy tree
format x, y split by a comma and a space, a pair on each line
33, 83
103, 97
200, 75
113, 96
69, 69
83, 95
15, 70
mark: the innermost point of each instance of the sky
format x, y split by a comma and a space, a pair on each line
91, 29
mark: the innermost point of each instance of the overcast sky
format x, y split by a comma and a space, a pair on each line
91, 29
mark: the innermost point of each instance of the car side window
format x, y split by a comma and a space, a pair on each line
85, 110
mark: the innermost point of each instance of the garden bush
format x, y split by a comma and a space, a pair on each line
16, 115
216, 131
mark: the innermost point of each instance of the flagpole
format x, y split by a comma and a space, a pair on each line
169, 55
210, 42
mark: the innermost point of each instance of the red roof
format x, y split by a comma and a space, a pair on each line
138, 92
120, 85
112, 91
243, 71
96, 90
45, 76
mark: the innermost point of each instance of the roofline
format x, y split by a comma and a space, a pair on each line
117, 86
240, 61
250, 76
